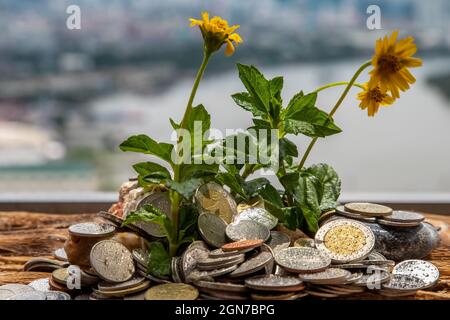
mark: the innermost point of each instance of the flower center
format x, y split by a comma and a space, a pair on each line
389, 63
376, 95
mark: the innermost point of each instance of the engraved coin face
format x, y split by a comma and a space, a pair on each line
5, 294
274, 283
368, 209
161, 201
421, 269
212, 229
40, 285
57, 295
247, 230
60, 276
213, 198
278, 240
260, 215
112, 261
172, 291
17, 288
91, 229
31, 295
345, 240
197, 250
302, 259
404, 282
253, 264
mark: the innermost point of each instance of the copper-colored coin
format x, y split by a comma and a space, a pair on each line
242, 245
368, 209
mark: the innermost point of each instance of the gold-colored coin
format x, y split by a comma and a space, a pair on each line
345, 239
172, 291
368, 209
211, 197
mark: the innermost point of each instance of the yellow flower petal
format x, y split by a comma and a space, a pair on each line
229, 49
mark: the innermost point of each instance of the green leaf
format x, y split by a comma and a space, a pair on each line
276, 85
299, 102
188, 223
261, 124
271, 195
201, 170
148, 168
311, 122
159, 260
144, 144
328, 185
175, 125
245, 101
256, 85
232, 181
287, 148
186, 188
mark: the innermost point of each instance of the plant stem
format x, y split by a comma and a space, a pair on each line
174, 196
335, 84
332, 112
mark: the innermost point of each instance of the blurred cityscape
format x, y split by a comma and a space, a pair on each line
69, 97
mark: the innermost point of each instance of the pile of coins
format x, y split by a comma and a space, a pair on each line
240, 257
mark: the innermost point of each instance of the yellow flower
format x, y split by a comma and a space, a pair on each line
216, 32
372, 98
391, 61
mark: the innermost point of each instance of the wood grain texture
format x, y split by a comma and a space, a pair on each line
24, 235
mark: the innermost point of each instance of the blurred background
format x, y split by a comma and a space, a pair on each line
69, 97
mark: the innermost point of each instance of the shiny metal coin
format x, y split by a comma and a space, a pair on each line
421, 269
221, 286
31, 295
111, 218
213, 198
340, 210
124, 292
259, 215
219, 261
223, 265
345, 240
172, 291
304, 242
112, 261
148, 276
196, 251
5, 294
219, 253
368, 209
398, 224
91, 229
405, 216
161, 201
302, 260
60, 276
141, 256
247, 230
107, 286
242, 245
252, 265
17, 288
60, 254
212, 229
40, 285
373, 280
404, 282
225, 295
175, 270
196, 275
274, 283
328, 276
57, 295
282, 296
278, 240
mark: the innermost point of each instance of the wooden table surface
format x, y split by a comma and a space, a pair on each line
24, 235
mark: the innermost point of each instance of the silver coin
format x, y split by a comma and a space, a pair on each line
424, 270
60, 254
273, 283
247, 230
40, 285
32, 295
219, 261
5, 294
141, 256
398, 224
137, 296
328, 276
302, 259
252, 265
355, 265
225, 295
161, 201
405, 216
148, 276
196, 275
219, 253
111, 218
213, 198
175, 271
259, 215
345, 240
212, 229
372, 280
57, 295
340, 210
196, 251
221, 286
17, 288
112, 261
404, 282
278, 240
91, 229
88, 280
